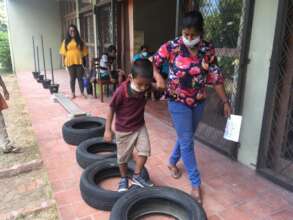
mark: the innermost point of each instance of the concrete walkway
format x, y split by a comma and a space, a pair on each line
231, 191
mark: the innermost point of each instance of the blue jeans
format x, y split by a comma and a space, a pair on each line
185, 120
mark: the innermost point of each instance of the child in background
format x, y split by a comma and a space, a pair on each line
128, 105
108, 68
104, 67
89, 77
143, 53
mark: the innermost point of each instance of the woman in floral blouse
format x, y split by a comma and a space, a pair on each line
192, 66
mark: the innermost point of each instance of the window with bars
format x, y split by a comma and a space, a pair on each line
87, 31
276, 149
84, 3
69, 6
104, 28
68, 15
226, 22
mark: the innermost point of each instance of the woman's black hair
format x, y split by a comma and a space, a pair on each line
143, 68
77, 37
111, 48
193, 19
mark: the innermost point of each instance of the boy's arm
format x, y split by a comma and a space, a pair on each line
115, 103
108, 136
5, 91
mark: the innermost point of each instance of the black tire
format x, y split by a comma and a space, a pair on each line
88, 151
157, 200
93, 194
82, 128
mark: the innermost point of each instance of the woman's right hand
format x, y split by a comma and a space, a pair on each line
160, 82
227, 110
108, 136
161, 85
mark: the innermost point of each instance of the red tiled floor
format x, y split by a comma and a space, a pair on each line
235, 213
67, 196
231, 190
101, 215
57, 185
66, 212
258, 208
86, 218
283, 215
214, 217
81, 209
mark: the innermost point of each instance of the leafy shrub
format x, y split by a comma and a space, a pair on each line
5, 59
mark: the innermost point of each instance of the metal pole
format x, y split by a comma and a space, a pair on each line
34, 49
52, 70
43, 52
38, 60
113, 15
177, 17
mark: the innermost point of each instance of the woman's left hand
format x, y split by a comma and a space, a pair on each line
227, 110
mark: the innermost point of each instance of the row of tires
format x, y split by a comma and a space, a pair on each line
99, 161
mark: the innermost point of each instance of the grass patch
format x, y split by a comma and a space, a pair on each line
27, 189
49, 214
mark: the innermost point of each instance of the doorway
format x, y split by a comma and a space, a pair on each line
154, 23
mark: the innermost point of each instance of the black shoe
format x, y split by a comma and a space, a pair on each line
123, 184
141, 182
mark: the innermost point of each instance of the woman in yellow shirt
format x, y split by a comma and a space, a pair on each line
73, 51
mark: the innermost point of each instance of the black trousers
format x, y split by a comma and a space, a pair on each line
76, 72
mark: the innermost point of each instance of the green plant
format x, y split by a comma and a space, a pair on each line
222, 21
5, 59
227, 64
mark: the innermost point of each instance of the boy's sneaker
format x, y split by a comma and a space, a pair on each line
123, 184
141, 182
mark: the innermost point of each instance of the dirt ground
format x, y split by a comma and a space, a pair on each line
31, 189
49, 214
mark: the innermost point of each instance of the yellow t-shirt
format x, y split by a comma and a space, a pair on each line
73, 55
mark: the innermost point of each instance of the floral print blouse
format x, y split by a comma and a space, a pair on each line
189, 74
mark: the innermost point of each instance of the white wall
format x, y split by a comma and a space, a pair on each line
262, 37
33, 17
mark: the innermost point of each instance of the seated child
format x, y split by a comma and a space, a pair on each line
128, 105
108, 70
89, 77
104, 67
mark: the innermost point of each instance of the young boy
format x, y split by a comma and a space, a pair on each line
128, 104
